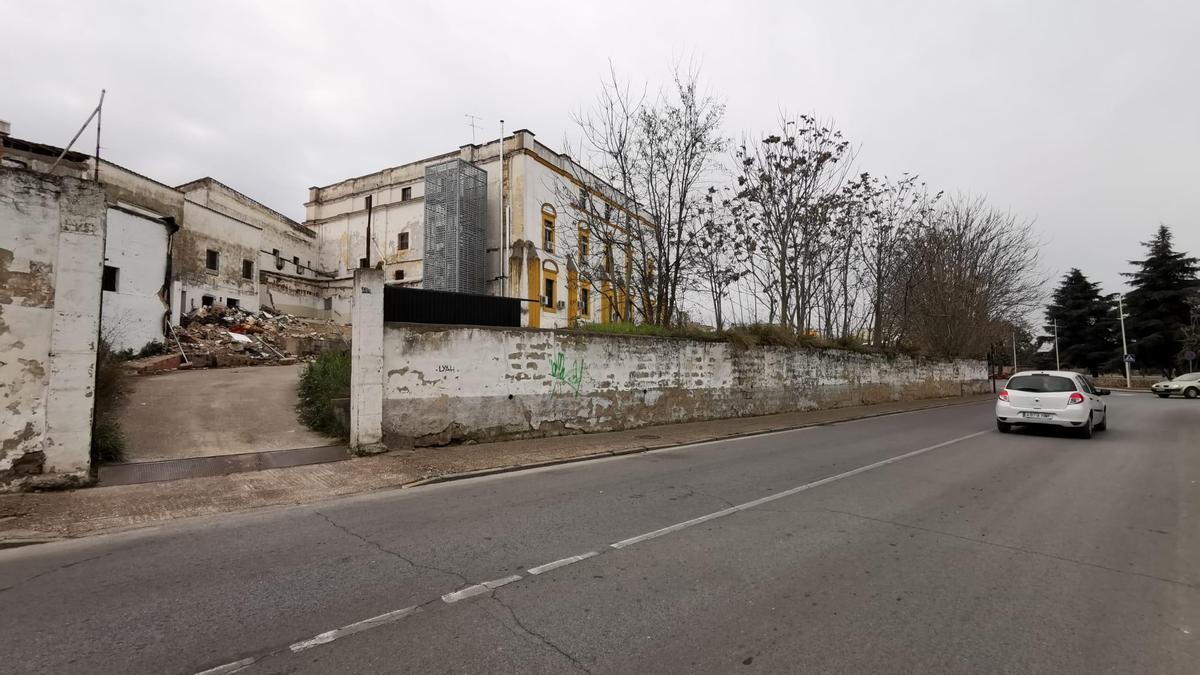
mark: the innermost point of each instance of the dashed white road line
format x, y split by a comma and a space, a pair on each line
356, 627
786, 493
229, 667
561, 563
479, 589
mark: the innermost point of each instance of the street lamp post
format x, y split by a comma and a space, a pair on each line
1124, 346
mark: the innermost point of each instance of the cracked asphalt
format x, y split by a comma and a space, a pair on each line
997, 553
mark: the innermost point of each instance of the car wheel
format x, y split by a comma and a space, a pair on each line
1103, 426
1086, 431
1003, 427
1163, 395
1191, 392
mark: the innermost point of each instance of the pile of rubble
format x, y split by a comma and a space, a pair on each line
217, 336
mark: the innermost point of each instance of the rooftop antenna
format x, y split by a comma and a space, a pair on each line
472, 121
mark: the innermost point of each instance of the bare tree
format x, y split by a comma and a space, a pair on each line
969, 273
720, 254
641, 192
787, 185
895, 210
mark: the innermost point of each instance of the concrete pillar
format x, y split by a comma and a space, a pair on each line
73, 338
366, 362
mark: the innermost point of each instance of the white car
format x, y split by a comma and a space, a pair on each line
1186, 385
1052, 397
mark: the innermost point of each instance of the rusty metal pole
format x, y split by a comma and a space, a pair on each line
368, 258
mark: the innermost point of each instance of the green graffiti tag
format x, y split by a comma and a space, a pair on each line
571, 375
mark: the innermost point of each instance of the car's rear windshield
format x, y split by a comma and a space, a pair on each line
1041, 384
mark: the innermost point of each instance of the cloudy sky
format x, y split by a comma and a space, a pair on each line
1081, 116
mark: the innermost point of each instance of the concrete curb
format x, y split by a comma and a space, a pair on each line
512, 468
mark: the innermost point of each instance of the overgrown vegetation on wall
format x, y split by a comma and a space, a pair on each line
324, 380
750, 335
108, 441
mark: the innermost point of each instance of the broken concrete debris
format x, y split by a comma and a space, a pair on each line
217, 336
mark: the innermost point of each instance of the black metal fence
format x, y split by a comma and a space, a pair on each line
420, 305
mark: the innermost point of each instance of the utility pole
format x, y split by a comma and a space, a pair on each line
1124, 346
1057, 363
1014, 351
368, 258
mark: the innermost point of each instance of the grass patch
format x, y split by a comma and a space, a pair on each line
324, 379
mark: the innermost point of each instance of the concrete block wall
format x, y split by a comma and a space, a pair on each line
444, 384
51, 260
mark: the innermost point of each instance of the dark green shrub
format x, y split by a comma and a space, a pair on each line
324, 379
152, 348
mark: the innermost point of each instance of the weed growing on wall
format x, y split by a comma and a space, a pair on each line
108, 441
325, 379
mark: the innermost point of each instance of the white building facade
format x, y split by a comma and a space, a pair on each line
534, 235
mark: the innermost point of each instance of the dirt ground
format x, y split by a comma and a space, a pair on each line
199, 413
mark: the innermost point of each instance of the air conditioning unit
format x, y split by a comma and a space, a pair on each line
562, 304
545, 301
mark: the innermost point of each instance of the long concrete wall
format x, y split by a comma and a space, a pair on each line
51, 259
443, 384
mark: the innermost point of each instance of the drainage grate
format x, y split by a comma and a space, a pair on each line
223, 465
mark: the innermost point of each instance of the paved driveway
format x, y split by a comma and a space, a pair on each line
220, 411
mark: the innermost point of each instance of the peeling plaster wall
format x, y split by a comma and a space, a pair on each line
443, 384
51, 258
137, 247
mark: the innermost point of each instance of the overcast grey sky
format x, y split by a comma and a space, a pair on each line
1084, 116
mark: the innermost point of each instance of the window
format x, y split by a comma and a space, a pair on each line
278, 259
231, 303
548, 296
247, 269
405, 193
328, 304
585, 302
362, 262
296, 263
402, 241
207, 301
1041, 384
212, 261
398, 275
585, 248
548, 234
109, 281
608, 258
607, 213
583, 198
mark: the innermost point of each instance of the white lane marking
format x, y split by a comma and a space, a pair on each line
478, 589
561, 563
356, 627
787, 493
497, 583
229, 667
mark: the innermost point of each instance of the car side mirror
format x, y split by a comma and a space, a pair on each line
1104, 392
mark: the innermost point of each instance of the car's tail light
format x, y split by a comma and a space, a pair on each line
1004, 395
1075, 399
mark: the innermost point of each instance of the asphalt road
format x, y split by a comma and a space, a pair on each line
921, 542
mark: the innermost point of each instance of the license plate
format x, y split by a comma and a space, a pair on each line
1037, 415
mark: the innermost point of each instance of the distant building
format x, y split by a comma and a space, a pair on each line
170, 250
531, 253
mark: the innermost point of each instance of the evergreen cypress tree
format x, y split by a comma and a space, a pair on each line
1158, 305
1086, 324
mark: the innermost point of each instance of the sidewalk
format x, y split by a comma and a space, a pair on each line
34, 517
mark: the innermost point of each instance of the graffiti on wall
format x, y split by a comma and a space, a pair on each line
570, 375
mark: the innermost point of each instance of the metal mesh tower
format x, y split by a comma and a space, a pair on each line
455, 213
